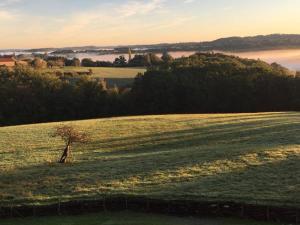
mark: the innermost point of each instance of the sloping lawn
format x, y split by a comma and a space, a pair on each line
250, 158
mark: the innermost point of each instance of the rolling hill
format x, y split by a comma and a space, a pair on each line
236, 43
249, 158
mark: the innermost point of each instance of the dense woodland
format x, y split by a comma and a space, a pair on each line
201, 83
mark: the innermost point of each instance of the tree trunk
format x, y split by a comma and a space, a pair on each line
65, 154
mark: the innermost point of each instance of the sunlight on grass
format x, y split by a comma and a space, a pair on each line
102, 72
252, 158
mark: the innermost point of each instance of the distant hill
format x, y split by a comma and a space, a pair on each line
252, 43
273, 41
261, 42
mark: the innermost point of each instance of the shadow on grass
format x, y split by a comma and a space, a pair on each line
273, 183
261, 133
151, 165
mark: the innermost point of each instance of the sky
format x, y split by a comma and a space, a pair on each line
63, 23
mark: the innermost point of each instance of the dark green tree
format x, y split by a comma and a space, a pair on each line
120, 61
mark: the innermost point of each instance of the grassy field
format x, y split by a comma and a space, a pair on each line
251, 158
126, 218
103, 72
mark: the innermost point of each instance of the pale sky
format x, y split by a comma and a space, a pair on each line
62, 23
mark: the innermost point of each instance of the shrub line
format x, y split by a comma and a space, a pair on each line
147, 205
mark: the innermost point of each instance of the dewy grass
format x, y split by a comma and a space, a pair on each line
250, 158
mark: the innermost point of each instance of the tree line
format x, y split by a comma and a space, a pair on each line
139, 60
206, 83
201, 83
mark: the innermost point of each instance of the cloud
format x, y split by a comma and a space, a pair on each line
188, 1
5, 3
178, 22
106, 22
140, 7
228, 8
5, 12
115, 15
6, 15
82, 20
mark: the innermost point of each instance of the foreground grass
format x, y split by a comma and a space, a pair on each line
103, 72
251, 158
125, 218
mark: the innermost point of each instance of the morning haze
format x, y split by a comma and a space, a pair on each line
36, 24
149, 112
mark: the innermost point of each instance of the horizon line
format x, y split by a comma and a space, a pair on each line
131, 45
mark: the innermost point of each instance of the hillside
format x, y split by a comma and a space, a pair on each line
251, 158
252, 43
249, 43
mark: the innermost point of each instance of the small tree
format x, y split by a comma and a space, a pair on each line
90, 73
70, 135
39, 63
121, 61
167, 58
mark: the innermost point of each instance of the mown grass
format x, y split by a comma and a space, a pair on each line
250, 158
125, 218
102, 72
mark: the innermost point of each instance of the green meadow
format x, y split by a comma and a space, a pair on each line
102, 72
248, 158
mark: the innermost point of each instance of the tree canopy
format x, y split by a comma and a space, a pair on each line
201, 83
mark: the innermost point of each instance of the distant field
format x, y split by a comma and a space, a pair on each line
250, 158
103, 72
125, 218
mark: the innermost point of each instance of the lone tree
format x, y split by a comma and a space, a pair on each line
70, 135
